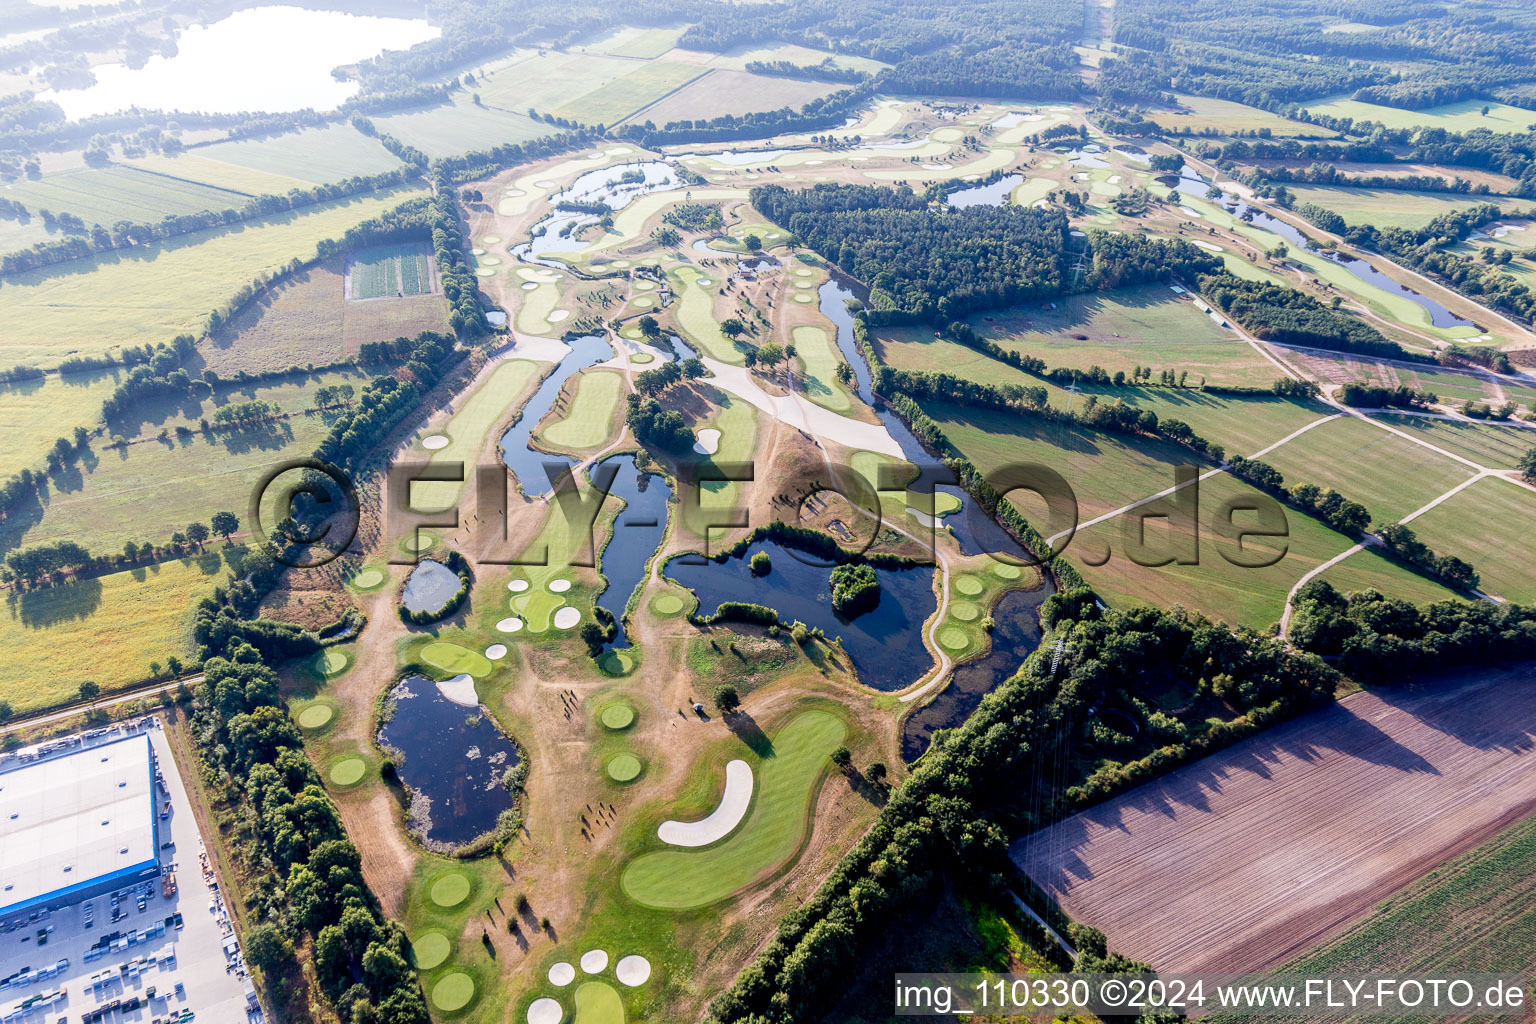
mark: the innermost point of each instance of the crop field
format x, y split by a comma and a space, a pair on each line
545, 81
461, 127
22, 234
1388, 474
1463, 116
613, 101
152, 293
1497, 446
291, 393
389, 271
638, 42
1388, 783
1385, 208
107, 195
735, 92
1200, 113
53, 638
196, 165
315, 155
1489, 525
589, 419
740, 56
308, 319
33, 413
1365, 570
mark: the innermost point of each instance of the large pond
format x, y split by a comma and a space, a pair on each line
885, 644
429, 586
262, 58
529, 465
636, 535
604, 185
994, 194
452, 758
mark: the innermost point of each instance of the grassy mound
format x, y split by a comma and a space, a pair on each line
954, 639
624, 768
667, 605
450, 890
347, 771
316, 716
965, 611
454, 991
1004, 571
430, 950
330, 663
451, 657
617, 716
368, 579
616, 663
970, 586
597, 1002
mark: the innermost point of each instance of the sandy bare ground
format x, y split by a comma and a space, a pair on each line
1249, 857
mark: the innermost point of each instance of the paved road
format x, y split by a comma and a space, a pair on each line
105, 702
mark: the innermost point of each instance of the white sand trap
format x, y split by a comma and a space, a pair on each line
922, 517
496, 652
1079, 234
558, 315
545, 1011
1190, 211
814, 163
618, 150
460, 689
562, 974
1039, 204
435, 441
633, 970
513, 193
1114, 179
517, 586
593, 961
858, 159
937, 167
722, 820
1206, 245
529, 286
511, 625
559, 586
708, 441
567, 617
703, 282
543, 183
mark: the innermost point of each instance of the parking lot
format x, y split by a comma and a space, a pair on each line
161, 951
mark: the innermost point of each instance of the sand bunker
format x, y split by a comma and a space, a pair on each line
567, 618
559, 586
511, 625
562, 974
460, 689
496, 652
435, 441
545, 1011
633, 970
529, 286
593, 961
517, 586
708, 441
722, 820
558, 315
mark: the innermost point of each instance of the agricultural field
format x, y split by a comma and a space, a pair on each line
1463, 116
390, 271
1385, 208
17, 233
308, 319
196, 165
1202, 114
1390, 784
33, 413
315, 155
461, 127
54, 637
152, 293
735, 92
1488, 524
1494, 445
644, 43
110, 194
739, 57
614, 101
544, 81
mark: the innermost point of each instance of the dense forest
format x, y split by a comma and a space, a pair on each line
1281, 314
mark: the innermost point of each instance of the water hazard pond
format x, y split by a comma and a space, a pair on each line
429, 587
452, 758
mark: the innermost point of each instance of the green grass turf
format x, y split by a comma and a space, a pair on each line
154, 292
1201, 113
696, 313
667, 605
453, 992
1390, 475
968, 585
347, 771
545, 81
725, 91
477, 416
368, 579
638, 42
785, 782
429, 950
589, 420
598, 1003
624, 768
617, 716
450, 890
954, 639
139, 615
1494, 445
820, 359
33, 413
613, 101
106, 195
1385, 208
616, 663
535, 306
1462, 116
537, 607
451, 657
193, 165
737, 423
316, 716
461, 127
1489, 525
330, 663
389, 270
315, 155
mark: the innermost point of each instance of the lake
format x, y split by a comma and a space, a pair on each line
429, 586
262, 58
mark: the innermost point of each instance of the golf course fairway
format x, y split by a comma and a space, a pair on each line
680, 879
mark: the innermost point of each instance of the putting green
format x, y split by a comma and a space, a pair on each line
1004, 571
680, 879
617, 716
368, 579
450, 890
536, 607
616, 663
970, 586
331, 663
954, 639
316, 716
641, 358
597, 1002
455, 659
667, 605
624, 768
454, 991
418, 541
965, 611
348, 771
804, 297
430, 950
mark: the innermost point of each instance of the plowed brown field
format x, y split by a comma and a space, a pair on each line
1244, 859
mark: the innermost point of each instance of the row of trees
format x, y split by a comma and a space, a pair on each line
1282, 314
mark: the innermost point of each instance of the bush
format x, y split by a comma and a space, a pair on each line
761, 564
855, 589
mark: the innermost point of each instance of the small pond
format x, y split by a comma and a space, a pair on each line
638, 531
995, 194
429, 586
452, 767
885, 643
